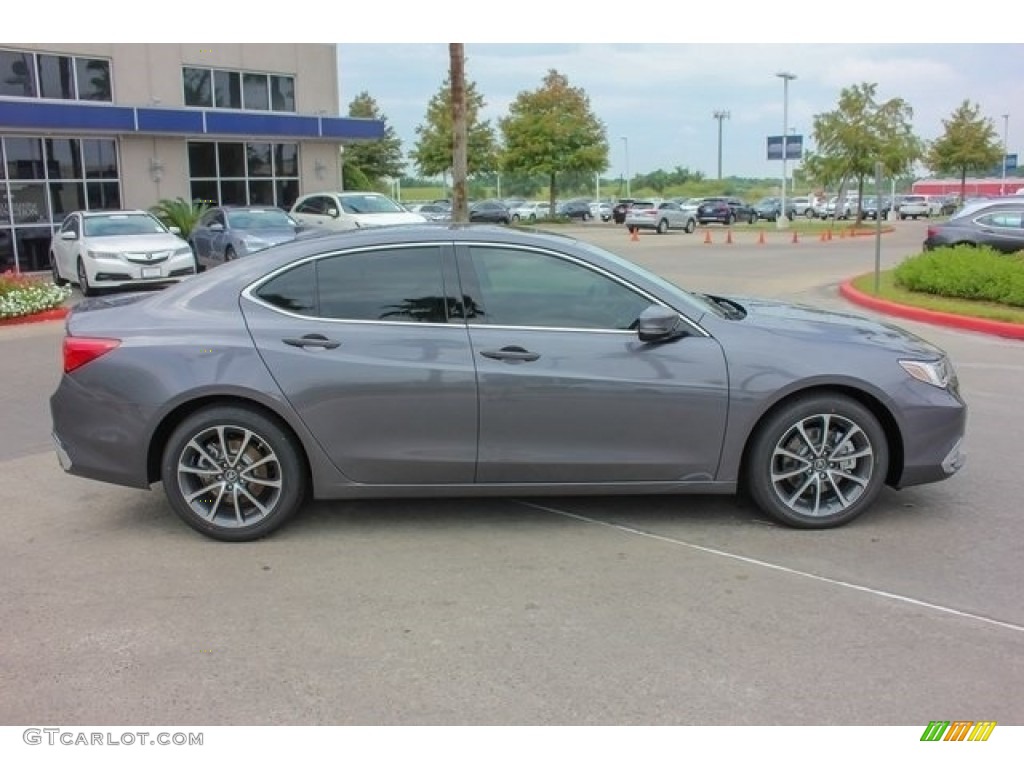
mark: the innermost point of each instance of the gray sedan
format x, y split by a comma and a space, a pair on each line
482, 360
661, 217
229, 232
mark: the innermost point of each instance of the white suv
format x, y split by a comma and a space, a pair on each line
913, 206
351, 210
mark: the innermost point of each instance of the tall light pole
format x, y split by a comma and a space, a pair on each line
1006, 128
625, 145
720, 115
782, 222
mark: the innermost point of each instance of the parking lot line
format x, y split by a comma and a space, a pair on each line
776, 567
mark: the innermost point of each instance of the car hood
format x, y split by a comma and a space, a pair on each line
269, 236
387, 219
828, 326
135, 243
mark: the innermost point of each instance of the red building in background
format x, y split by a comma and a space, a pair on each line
987, 187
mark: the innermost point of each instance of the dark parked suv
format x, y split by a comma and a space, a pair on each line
725, 210
621, 209
575, 209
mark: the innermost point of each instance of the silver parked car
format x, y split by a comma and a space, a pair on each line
659, 216
229, 232
490, 361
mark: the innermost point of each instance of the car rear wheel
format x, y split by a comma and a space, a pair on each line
83, 280
730, 220
57, 279
818, 462
586, 217
752, 219
229, 254
691, 225
233, 474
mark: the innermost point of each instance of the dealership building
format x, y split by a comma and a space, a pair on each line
118, 125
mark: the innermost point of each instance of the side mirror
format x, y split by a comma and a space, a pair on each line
658, 323
69, 235
175, 230
332, 212
216, 227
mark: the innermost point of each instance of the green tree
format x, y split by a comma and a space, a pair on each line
181, 213
433, 151
552, 131
859, 133
368, 162
970, 143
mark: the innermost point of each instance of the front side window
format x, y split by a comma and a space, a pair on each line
533, 289
399, 284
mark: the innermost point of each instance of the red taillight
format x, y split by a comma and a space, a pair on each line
79, 350
932, 231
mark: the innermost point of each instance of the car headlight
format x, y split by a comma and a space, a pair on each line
939, 373
102, 255
187, 251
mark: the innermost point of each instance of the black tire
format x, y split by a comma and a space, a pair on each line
229, 254
586, 217
752, 219
662, 227
809, 214
57, 279
515, 217
204, 453
83, 280
691, 226
800, 477
730, 220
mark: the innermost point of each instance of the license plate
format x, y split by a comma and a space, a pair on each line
151, 272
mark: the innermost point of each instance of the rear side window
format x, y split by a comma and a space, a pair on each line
396, 284
292, 291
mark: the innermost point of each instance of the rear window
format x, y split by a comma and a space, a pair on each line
913, 199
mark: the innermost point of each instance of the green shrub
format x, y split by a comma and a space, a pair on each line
181, 213
966, 272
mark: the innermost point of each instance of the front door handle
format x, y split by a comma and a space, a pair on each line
517, 354
313, 340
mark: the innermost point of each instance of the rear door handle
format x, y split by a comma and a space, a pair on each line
313, 340
517, 354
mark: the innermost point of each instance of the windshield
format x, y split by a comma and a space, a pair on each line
369, 204
268, 218
122, 224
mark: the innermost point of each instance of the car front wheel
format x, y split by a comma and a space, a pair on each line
233, 474
818, 462
57, 279
662, 227
83, 280
691, 225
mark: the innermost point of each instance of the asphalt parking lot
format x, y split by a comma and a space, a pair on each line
654, 610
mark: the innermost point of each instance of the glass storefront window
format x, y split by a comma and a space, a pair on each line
33, 244
28, 203
198, 92
259, 157
286, 160
232, 192
63, 159
17, 74
65, 197
231, 158
254, 88
93, 80
227, 90
261, 192
24, 158
100, 157
56, 77
236, 173
103, 196
282, 93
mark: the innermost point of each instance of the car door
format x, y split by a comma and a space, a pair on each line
65, 245
1003, 230
568, 393
312, 211
370, 349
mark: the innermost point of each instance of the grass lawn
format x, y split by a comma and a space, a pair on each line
889, 291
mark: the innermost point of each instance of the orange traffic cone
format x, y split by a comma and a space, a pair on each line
707, 237
728, 237
760, 238
824, 235
842, 233
829, 233
795, 238
633, 235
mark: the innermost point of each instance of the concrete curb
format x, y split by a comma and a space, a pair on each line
39, 317
977, 324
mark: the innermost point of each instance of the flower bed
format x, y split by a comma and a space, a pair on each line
22, 296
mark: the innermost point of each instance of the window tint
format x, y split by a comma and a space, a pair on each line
1011, 219
402, 284
526, 288
313, 205
294, 290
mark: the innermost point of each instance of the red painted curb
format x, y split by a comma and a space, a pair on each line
39, 317
977, 324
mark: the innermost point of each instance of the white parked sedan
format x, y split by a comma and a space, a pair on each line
532, 211
113, 249
351, 210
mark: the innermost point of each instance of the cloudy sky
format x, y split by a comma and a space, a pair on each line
662, 96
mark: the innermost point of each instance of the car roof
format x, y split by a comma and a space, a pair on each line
126, 211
